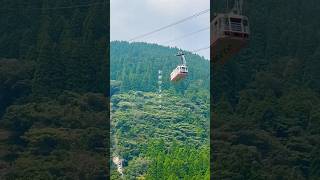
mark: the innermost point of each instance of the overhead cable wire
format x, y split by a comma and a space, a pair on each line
185, 36
201, 49
170, 25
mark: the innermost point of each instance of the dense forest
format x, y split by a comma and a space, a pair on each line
136, 65
53, 86
265, 101
146, 135
159, 137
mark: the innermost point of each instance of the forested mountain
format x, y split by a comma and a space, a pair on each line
53, 82
266, 122
160, 142
159, 136
136, 65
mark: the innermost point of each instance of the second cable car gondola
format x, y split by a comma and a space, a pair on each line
230, 33
181, 71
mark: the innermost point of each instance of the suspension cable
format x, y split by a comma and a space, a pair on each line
184, 36
169, 25
201, 49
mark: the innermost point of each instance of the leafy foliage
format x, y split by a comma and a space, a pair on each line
265, 120
53, 78
136, 65
57, 138
137, 121
178, 161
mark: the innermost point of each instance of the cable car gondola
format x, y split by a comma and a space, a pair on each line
181, 71
230, 33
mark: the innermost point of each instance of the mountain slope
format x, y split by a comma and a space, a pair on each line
53, 82
265, 122
153, 133
138, 121
137, 66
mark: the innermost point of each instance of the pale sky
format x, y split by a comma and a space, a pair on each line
130, 18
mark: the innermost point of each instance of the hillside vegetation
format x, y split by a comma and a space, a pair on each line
266, 102
163, 137
141, 126
53, 82
136, 65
